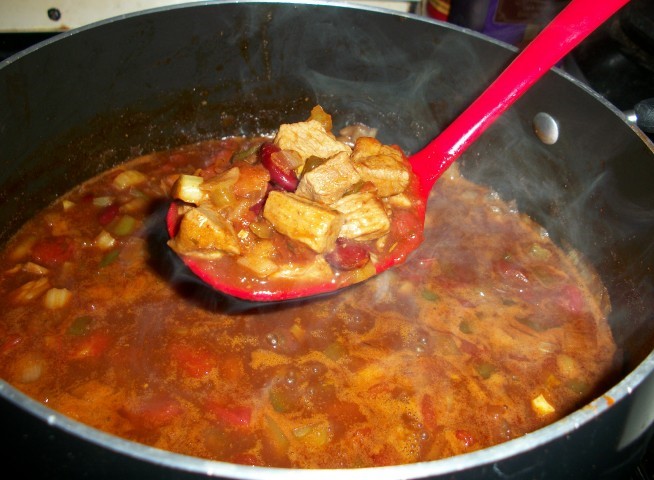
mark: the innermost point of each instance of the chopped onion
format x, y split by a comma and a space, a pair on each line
104, 240
57, 298
67, 205
29, 368
23, 249
541, 406
129, 178
104, 201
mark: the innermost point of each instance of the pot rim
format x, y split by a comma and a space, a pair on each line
485, 456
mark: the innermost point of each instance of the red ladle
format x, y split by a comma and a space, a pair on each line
575, 22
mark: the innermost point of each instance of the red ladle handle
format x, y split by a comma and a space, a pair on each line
557, 39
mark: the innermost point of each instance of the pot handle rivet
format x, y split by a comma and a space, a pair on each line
54, 14
545, 128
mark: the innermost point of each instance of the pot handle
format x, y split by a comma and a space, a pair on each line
642, 115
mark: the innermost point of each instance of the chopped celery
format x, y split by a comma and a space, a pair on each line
262, 229
315, 434
124, 226
279, 439
243, 154
109, 258
312, 163
80, 326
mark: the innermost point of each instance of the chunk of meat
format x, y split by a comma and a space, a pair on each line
383, 165
329, 181
205, 233
310, 223
309, 139
365, 217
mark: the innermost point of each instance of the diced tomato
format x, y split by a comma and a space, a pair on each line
153, 412
108, 214
466, 437
232, 416
173, 219
91, 346
511, 274
407, 230
194, 362
348, 255
53, 250
406, 224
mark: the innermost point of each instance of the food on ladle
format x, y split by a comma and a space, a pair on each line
306, 208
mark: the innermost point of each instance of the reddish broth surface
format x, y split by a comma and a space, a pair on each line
488, 332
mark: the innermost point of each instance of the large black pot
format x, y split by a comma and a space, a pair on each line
93, 97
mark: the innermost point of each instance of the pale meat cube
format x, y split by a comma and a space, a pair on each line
329, 181
309, 139
382, 165
206, 234
365, 217
308, 222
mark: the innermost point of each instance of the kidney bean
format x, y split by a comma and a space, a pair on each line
280, 175
108, 214
53, 250
347, 255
